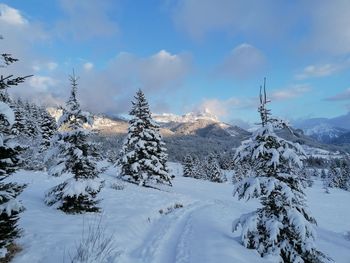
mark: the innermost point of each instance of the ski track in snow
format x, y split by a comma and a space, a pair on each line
186, 236
167, 240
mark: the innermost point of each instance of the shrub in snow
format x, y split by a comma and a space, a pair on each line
95, 245
170, 209
117, 186
282, 227
143, 155
9, 151
71, 153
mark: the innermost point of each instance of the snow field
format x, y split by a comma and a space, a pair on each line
200, 231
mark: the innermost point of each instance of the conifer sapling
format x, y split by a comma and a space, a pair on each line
71, 154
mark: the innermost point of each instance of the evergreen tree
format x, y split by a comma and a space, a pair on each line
282, 226
326, 183
316, 173
338, 175
213, 170
242, 169
143, 155
9, 206
20, 118
48, 128
71, 154
344, 174
33, 129
189, 169
31, 124
225, 161
199, 169
306, 177
332, 177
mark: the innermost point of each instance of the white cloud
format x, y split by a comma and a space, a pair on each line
345, 95
244, 61
87, 19
200, 17
100, 90
159, 74
290, 92
48, 66
218, 107
321, 26
11, 16
163, 70
323, 70
88, 66
39, 89
52, 65
224, 108
41, 83
318, 71
330, 31
20, 36
36, 68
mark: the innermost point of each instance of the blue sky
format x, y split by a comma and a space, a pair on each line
186, 55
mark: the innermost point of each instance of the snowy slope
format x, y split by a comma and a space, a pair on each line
200, 231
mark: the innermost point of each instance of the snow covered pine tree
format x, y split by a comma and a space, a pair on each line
282, 227
213, 171
71, 154
30, 136
189, 169
9, 206
143, 156
338, 174
48, 128
20, 117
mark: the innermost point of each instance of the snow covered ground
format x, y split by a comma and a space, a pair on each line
200, 231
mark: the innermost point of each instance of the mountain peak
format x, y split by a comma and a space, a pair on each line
188, 117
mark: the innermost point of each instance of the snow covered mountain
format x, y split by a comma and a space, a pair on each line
325, 132
322, 129
188, 117
203, 124
198, 133
101, 123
